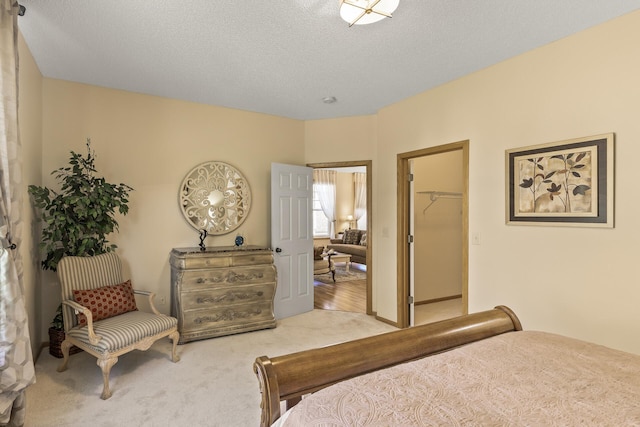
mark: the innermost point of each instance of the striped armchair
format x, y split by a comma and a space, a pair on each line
92, 329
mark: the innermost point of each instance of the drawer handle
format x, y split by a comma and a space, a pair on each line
233, 277
212, 280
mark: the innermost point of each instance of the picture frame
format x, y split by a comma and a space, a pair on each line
565, 183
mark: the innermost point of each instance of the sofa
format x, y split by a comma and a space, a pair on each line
354, 243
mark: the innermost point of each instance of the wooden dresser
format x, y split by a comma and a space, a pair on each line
222, 290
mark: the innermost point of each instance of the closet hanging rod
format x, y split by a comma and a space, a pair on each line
441, 193
435, 195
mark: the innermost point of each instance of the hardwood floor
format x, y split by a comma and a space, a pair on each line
341, 296
351, 296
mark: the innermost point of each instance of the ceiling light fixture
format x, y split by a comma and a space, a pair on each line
360, 12
329, 99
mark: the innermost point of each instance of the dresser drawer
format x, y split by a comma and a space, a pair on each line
253, 259
226, 296
217, 318
204, 279
200, 261
188, 260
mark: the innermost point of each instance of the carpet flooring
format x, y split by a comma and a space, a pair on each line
212, 385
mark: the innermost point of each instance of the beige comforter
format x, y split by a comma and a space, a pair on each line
518, 378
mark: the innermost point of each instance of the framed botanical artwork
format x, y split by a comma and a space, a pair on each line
566, 183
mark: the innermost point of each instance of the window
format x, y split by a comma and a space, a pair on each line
321, 225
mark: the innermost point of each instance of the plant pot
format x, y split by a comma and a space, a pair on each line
56, 336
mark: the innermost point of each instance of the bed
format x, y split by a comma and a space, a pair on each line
478, 369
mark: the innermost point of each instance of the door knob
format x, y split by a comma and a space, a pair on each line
278, 250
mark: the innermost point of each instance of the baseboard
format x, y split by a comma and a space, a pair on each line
42, 347
383, 320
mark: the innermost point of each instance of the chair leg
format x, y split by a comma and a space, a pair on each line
333, 275
105, 365
175, 337
65, 346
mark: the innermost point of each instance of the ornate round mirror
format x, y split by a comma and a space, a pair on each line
215, 197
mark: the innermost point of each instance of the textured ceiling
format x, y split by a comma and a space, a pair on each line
282, 57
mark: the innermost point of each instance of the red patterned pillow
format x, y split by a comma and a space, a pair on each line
106, 302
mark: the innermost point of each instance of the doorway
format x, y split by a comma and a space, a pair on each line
433, 208
366, 164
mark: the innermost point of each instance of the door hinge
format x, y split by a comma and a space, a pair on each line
410, 299
410, 239
410, 177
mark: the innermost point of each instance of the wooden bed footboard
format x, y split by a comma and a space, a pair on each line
291, 376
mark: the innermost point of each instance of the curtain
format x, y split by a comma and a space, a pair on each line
324, 182
16, 361
360, 200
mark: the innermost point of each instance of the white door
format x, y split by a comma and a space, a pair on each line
292, 238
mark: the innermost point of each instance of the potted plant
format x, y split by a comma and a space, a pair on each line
78, 218
56, 336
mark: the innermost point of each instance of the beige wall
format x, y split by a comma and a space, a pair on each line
340, 140
576, 281
30, 118
438, 230
150, 143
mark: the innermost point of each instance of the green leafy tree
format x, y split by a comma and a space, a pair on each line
78, 219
